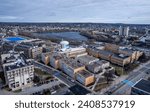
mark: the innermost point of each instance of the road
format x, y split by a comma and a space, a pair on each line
124, 87
60, 75
57, 74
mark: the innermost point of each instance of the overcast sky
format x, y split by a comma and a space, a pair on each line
102, 11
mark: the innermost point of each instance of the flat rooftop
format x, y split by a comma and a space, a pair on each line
14, 39
57, 56
120, 56
127, 50
77, 49
104, 52
17, 64
143, 85
85, 73
73, 63
102, 62
15, 61
87, 58
98, 63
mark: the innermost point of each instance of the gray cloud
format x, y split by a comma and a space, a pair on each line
128, 11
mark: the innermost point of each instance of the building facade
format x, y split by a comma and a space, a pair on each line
18, 72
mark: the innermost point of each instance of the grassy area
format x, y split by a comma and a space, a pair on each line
40, 72
17, 91
43, 74
125, 70
100, 86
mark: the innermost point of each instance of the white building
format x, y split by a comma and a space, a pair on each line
124, 31
18, 71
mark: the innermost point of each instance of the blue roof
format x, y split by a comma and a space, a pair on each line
14, 39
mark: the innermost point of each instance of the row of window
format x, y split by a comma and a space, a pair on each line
17, 84
20, 70
18, 74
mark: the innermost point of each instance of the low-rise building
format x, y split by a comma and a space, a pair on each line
50, 47
71, 66
87, 59
115, 54
93, 52
98, 66
55, 59
111, 47
32, 48
120, 59
106, 55
84, 77
75, 52
134, 55
18, 71
45, 57
139, 54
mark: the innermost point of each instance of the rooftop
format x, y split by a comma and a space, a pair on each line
127, 50
13, 39
85, 73
74, 49
57, 56
98, 63
73, 63
120, 56
14, 61
143, 85
19, 63
104, 52
87, 58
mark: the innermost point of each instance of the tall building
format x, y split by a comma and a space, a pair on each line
18, 71
124, 31
120, 31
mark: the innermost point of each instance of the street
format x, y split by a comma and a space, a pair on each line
124, 87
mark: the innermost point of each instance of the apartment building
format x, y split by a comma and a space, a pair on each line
120, 59
18, 71
75, 52
55, 59
45, 57
87, 59
111, 47
84, 77
71, 66
98, 66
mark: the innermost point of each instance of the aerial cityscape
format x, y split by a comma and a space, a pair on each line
68, 54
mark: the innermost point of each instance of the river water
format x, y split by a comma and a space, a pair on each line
63, 35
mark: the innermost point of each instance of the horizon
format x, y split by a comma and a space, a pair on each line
73, 23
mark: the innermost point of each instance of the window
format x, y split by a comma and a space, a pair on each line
17, 85
12, 85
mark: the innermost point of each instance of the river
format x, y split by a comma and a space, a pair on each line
63, 35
